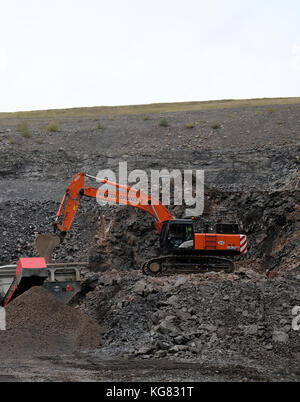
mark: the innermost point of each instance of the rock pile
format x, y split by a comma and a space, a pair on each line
38, 323
211, 317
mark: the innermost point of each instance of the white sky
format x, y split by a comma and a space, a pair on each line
67, 53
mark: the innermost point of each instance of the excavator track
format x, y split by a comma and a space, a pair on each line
173, 264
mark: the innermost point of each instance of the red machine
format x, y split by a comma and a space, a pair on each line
62, 280
29, 272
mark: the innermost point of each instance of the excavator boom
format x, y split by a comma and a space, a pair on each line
112, 193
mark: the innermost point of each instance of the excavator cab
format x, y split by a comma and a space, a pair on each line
177, 234
184, 235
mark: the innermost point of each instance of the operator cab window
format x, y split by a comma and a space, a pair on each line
181, 236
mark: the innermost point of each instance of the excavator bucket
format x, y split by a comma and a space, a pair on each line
45, 244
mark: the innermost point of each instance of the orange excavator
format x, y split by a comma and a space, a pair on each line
185, 245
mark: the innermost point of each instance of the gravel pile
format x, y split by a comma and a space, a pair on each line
38, 323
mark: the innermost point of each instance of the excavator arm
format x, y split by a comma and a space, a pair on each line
118, 194
112, 193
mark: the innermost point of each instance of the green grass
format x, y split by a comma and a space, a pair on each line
39, 141
53, 128
190, 125
145, 118
99, 126
12, 141
23, 129
216, 125
163, 123
94, 112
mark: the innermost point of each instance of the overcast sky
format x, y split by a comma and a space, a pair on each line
69, 53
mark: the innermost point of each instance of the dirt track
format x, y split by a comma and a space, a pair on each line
251, 168
101, 368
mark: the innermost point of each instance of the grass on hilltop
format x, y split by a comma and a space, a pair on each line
93, 112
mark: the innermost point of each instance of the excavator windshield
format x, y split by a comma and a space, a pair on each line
177, 234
